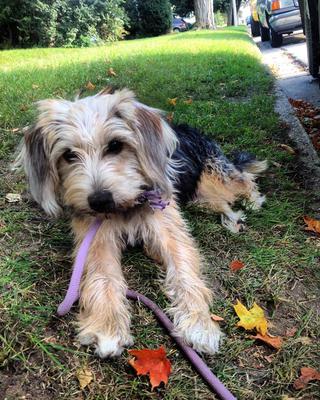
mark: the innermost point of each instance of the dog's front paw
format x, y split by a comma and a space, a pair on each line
203, 334
106, 345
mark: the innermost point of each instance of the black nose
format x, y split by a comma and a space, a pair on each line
101, 201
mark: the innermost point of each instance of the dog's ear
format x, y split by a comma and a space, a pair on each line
157, 143
42, 175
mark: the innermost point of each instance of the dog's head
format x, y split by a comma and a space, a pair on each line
97, 154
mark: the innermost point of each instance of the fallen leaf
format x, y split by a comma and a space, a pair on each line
111, 72
313, 225
173, 102
273, 341
250, 319
170, 117
189, 101
13, 197
215, 317
269, 358
304, 340
35, 86
235, 265
290, 332
84, 376
14, 130
24, 107
307, 374
287, 148
152, 362
90, 86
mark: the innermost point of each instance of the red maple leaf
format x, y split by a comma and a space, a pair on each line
152, 362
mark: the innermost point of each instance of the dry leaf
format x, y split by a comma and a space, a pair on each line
35, 86
153, 363
189, 101
304, 340
111, 72
24, 107
307, 374
273, 341
250, 319
287, 148
84, 376
14, 130
290, 332
170, 117
313, 225
173, 102
90, 86
235, 265
13, 197
215, 317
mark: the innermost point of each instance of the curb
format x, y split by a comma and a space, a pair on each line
308, 157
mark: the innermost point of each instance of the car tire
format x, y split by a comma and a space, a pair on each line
264, 33
255, 30
176, 30
276, 39
312, 37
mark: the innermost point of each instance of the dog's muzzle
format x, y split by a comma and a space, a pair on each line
101, 201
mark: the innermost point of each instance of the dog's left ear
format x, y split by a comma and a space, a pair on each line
157, 143
34, 157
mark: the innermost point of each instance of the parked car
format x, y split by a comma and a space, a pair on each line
310, 15
254, 19
179, 25
278, 17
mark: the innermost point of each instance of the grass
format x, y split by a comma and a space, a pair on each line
232, 99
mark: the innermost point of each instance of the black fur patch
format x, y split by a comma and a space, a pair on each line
196, 153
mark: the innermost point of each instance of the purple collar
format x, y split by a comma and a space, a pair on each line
153, 197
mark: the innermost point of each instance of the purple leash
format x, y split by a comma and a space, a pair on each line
73, 295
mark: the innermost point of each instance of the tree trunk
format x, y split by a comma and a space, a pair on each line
203, 10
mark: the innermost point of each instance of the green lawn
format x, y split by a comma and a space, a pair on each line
232, 99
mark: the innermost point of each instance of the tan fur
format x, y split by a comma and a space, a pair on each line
220, 193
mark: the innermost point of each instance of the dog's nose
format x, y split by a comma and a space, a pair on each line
101, 201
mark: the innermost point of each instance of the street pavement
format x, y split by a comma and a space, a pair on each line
289, 64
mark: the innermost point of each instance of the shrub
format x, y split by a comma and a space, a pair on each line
149, 17
61, 22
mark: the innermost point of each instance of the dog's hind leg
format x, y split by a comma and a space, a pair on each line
104, 318
219, 195
169, 237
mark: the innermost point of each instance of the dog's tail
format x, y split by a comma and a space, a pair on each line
247, 162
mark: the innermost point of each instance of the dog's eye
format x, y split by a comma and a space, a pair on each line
114, 147
70, 156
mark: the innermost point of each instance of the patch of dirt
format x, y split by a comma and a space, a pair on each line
24, 387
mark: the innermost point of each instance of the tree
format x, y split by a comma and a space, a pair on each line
203, 10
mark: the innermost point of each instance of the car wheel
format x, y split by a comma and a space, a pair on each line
312, 37
264, 33
255, 30
276, 39
176, 30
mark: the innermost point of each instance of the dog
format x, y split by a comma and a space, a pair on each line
97, 156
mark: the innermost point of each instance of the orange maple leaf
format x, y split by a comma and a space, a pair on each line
235, 265
313, 225
307, 374
273, 341
188, 102
152, 362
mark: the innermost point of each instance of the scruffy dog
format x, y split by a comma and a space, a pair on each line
98, 156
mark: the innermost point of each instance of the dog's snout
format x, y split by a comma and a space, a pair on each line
101, 201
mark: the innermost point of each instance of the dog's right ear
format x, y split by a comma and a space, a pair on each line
42, 175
